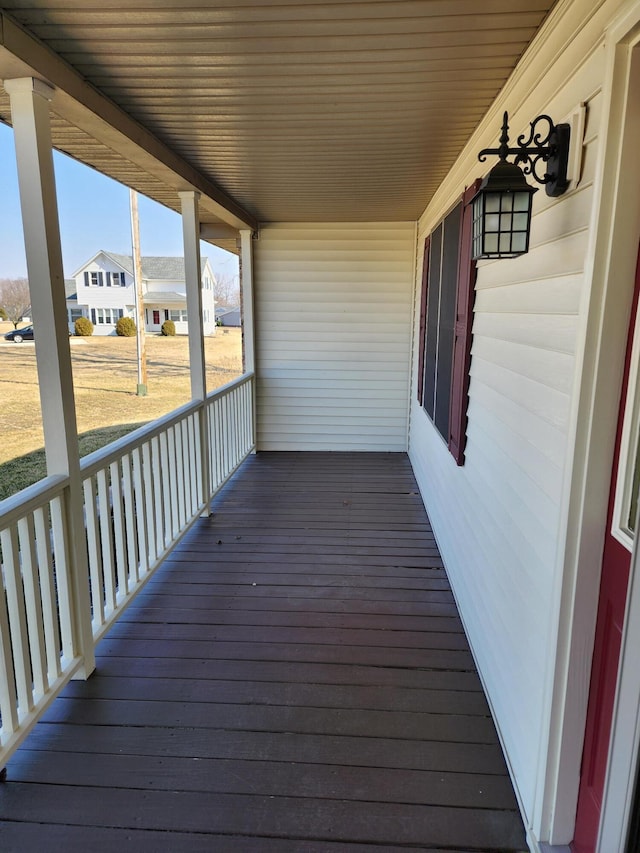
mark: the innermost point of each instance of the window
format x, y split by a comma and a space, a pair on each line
94, 279
178, 316
106, 316
115, 279
446, 307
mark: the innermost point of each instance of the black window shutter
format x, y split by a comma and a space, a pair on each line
93, 316
86, 278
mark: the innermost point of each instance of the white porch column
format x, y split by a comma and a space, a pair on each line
246, 294
193, 281
248, 318
31, 124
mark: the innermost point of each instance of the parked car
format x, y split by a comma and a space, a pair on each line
19, 335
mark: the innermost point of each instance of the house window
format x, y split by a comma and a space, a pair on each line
446, 310
178, 316
106, 316
115, 279
94, 279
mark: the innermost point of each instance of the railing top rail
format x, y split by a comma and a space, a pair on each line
22, 503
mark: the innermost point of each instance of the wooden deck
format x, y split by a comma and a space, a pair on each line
294, 678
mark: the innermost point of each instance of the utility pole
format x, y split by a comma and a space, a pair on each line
139, 298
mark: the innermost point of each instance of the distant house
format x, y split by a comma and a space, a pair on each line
104, 292
74, 311
228, 316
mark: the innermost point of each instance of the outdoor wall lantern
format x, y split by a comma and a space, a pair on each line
502, 205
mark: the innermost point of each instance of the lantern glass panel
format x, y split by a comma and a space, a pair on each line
491, 202
505, 242
519, 242
492, 222
490, 243
522, 201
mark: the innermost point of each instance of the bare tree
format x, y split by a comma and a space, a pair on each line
226, 290
15, 299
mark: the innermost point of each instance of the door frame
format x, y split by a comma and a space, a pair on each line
610, 277
622, 765
622, 768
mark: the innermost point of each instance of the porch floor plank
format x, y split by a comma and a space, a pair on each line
295, 677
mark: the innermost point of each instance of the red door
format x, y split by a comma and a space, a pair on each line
616, 563
156, 318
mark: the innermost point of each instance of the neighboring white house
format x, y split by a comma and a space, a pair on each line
104, 292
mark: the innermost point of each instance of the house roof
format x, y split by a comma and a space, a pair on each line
155, 268
224, 309
275, 110
70, 289
160, 298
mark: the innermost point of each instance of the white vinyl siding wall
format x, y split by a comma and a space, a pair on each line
333, 308
498, 518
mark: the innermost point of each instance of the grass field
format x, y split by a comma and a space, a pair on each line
105, 380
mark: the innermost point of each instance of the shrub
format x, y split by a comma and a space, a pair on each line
125, 327
83, 327
168, 328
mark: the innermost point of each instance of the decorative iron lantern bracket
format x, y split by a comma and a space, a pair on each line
547, 145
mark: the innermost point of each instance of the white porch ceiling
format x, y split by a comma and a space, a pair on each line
298, 110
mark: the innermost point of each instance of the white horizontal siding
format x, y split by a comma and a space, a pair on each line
498, 518
333, 318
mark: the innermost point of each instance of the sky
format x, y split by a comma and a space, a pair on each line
94, 214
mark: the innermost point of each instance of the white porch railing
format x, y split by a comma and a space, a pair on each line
141, 494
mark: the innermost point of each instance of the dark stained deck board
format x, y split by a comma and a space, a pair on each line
297, 603
268, 778
294, 634
300, 694
295, 677
339, 750
298, 818
20, 838
285, 719
301, 653
444, 621
168, 668
261, 579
